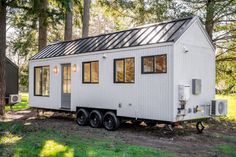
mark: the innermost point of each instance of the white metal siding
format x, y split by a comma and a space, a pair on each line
198, 63
150, 97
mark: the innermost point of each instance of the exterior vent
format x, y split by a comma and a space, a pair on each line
219, 108
14, 98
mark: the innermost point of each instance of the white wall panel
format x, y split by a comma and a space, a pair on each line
197, 63
150, 97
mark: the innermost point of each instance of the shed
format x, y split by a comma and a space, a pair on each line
11, 78
11, 75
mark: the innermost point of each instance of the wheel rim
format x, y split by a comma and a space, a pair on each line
109, 122
81, 118
94, 120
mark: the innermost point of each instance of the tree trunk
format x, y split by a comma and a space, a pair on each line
210, 4
68, 21
2, 56
86, 16
42, 38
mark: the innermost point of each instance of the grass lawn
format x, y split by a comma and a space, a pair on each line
22, 105
31, 141
226, 150
26, 139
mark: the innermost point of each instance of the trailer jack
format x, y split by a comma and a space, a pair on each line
200, 127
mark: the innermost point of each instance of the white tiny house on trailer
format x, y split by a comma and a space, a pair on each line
161, 72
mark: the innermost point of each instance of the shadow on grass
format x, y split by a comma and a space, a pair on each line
27, 139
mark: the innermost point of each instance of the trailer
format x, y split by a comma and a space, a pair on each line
11, 78
162, 72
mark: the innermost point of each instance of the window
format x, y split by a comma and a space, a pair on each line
154, 64
41, 81
91, 72
66, 79
124, 70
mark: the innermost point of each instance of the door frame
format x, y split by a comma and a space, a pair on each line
62, 86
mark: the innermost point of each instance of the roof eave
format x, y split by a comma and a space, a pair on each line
108, 51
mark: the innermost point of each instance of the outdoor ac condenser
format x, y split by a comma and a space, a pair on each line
14, 98
219, 108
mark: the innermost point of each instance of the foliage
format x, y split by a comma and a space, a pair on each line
32, 140
139, 11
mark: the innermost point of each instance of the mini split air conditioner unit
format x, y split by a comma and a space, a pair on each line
14, 98
219, 108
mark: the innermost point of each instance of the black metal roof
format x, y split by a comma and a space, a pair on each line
155, 33
7, 60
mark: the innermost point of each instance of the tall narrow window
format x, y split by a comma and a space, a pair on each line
37, 81
67, 79
124, 70
91, 72
41, 81
154, 64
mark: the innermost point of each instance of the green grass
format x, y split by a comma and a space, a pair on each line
20, 106
27, 141
226, 150
231, 105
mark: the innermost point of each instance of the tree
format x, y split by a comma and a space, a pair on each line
86, 17
209, 23
42, 6
68, 20
3, 12
139, 11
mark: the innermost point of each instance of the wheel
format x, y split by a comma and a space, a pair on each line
200, 127
82, 117
96, 119
110, 121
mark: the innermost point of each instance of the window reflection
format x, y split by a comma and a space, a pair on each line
124, 70
42, 81
154, 64
91, 72
66, 79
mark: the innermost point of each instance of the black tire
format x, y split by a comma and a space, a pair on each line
110, 121
82, 117
96, 119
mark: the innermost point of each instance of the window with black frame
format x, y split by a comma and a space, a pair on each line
124, 70
154, 64
41, 81
91, 72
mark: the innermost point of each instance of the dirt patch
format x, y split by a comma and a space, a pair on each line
183, 140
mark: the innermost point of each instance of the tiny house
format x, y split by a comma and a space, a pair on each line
11, 78
158, 72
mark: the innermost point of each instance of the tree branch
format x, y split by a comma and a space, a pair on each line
227, 59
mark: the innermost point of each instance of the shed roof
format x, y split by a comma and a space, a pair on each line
7, 60
168, 31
